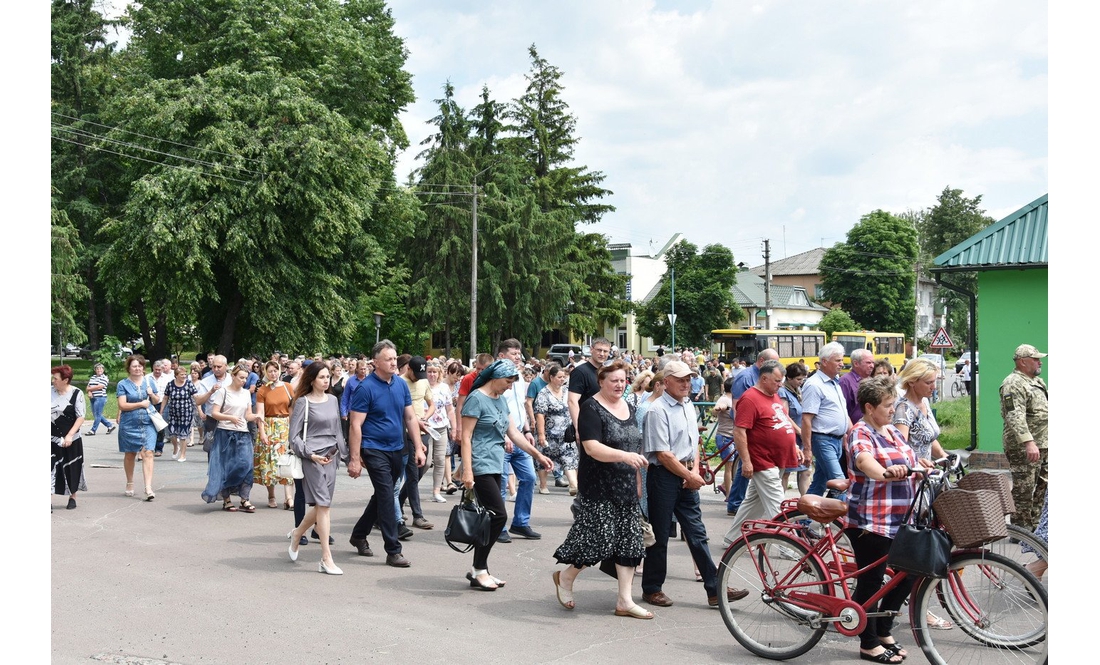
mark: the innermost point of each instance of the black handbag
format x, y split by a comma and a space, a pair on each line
468, 525
919, 548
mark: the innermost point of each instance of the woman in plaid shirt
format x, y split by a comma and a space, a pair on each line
880, 494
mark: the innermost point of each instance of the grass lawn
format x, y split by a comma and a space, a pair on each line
954, 419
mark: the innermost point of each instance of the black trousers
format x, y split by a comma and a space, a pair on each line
487, 489
384, 468
410, 491
870, 547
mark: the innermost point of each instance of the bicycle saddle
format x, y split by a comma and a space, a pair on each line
840, 485
820, 509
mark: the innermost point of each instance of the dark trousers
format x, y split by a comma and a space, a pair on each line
667, 497
487, 489
384, 468
410, 491
868, 548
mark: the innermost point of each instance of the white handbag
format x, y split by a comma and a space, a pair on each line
288, 464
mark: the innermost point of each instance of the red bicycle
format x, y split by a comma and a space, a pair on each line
800, 587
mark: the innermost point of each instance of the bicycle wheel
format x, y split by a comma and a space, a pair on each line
1021, 546
762, 622
999, 610
956, 389
816, 530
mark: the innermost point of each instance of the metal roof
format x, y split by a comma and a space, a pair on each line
805, 263
1017, 241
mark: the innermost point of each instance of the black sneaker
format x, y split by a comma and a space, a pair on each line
360, 545
404, 532
525, 532
504, 537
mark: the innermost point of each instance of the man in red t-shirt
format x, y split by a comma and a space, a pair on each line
464, 387
764, 434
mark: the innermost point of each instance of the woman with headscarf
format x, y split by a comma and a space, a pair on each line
67, 448
136, 433
487, 429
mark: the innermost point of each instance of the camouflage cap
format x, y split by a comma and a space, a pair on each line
1027, 351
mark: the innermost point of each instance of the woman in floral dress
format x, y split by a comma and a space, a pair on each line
181, 413
273, 401
551, 409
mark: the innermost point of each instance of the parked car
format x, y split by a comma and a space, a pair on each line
559, 353
936, 359
963, 358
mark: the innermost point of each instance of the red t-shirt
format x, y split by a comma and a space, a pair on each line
467, 383
769, 432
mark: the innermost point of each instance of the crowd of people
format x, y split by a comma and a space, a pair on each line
619, 430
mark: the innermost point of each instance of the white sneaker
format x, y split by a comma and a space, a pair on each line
438, 498
787, 553
175, 454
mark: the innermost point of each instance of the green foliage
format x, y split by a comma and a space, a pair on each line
837, 320
871, 274
704, 301
272, 214
952, 220
67, 289
105, 354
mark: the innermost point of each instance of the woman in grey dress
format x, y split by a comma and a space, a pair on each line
317, 437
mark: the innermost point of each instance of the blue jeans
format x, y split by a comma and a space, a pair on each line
826, 451
738, 487
98, 404
667, 497
524, 467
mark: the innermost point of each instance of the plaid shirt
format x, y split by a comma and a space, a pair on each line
875, 505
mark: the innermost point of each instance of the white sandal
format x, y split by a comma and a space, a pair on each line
938, 623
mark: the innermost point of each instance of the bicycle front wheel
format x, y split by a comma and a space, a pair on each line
1022, 546
999, 611
762, 622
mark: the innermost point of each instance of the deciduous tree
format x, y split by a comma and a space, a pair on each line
871, 274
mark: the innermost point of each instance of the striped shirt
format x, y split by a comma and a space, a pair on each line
97, 385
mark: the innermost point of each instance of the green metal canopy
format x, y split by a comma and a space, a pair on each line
1016, 242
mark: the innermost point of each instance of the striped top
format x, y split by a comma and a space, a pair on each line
97, 385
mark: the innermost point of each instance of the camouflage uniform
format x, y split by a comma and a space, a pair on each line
1024, 411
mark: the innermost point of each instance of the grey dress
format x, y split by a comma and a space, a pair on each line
323, 434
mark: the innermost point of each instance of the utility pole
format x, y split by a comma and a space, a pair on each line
767, 285
672, 316
473, 282
916, 311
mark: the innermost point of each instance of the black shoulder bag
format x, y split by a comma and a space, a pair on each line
920, 548
468, 524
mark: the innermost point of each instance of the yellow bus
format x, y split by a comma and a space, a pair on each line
791, 345
883, 344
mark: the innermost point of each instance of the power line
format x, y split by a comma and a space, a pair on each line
90, 135
151, 161
154, 138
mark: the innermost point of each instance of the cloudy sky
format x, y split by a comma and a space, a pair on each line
738, 121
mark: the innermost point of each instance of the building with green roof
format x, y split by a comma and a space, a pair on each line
1010, 258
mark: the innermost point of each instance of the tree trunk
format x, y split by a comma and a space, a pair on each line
93, 323
229, 327
160, 335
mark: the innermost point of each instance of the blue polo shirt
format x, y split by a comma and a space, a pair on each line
744, 380
384, 403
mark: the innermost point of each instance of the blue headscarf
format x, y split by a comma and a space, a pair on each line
499, 369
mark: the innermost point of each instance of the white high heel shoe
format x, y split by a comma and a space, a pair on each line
290, 548
334, 570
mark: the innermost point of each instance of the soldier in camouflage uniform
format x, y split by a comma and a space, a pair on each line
1024, 411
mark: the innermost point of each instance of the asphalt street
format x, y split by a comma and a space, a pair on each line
177, 580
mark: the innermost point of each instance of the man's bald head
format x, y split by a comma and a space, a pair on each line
765, 356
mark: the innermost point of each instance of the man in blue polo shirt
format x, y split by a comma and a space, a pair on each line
825, 418
380, 412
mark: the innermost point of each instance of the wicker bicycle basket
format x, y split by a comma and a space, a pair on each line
998, 482
971, 517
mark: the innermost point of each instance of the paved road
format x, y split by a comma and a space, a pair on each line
178, 580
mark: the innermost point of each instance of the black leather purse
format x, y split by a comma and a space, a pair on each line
468, 525
919, 548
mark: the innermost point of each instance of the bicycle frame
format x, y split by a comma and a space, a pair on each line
850, 617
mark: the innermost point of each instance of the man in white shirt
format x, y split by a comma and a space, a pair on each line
209, 385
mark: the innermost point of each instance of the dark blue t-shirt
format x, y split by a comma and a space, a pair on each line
384, 404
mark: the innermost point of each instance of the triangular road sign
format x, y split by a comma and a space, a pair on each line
941, 340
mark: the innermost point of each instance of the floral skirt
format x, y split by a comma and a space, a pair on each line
266, 457
603, 530
564, 454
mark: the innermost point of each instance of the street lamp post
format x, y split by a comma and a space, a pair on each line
378, 326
